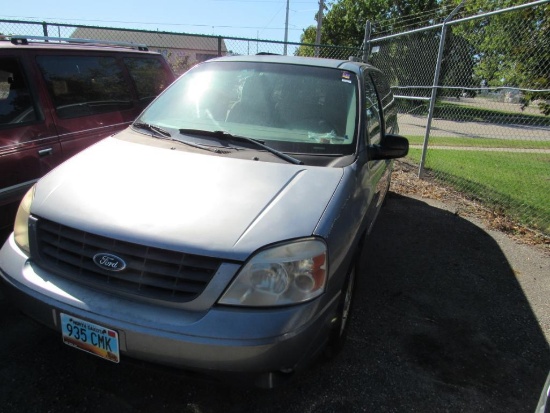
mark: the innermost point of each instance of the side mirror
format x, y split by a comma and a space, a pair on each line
391, 146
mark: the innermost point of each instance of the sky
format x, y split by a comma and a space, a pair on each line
255, 19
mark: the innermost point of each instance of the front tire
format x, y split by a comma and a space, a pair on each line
339, 332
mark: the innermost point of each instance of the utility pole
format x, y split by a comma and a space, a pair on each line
286, 26
319, 25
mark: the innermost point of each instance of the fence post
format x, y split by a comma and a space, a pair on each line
366, 42
435, 86
45, 29
219, 46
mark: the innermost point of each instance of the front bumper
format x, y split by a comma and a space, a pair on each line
218, 339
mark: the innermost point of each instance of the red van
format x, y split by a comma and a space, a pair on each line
59, 96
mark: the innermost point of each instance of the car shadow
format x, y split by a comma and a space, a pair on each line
439, 324
440, 307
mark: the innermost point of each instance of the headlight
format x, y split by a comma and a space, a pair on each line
21, 227
284, 274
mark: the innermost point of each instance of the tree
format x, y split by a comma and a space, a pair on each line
344, 22
407, 61
457, 69
512, 49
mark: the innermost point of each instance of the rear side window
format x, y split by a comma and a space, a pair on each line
149, 76
388, 102
85, 85
372, 113
383, 88
16, 104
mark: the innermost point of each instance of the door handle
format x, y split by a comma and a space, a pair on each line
44, 152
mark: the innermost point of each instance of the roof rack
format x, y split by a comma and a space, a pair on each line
24, 40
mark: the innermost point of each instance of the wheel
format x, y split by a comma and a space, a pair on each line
340, 328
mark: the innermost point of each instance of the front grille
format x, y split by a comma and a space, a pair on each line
150, 273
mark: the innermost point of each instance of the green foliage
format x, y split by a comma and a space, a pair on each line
409, 60
307, 37
511, 49
457, 69
344, 21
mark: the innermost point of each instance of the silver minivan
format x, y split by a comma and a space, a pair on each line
218, 233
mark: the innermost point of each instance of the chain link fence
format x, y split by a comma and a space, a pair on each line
474, 97
472, 93
182, 50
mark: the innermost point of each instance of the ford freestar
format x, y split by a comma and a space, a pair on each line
218, 233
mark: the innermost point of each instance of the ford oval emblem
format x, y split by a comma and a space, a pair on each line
109, 262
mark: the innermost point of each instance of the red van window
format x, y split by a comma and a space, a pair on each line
85, 85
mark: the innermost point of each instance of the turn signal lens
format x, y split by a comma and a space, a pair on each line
21, 226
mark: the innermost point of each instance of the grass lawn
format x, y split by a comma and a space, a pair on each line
517, 182
480, 142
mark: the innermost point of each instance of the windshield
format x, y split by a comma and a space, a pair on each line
292, 108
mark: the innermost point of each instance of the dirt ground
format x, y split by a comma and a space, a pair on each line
451, 315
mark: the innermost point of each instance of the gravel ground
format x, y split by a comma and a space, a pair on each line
450, 316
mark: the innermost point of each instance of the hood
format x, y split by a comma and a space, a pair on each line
189, 202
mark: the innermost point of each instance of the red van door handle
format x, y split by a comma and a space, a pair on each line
45, 152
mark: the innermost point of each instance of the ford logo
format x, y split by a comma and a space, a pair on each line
109, 262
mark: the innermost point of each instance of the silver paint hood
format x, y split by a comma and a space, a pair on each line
197, 203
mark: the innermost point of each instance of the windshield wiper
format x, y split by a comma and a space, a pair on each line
226, 135
164, 134
152, 128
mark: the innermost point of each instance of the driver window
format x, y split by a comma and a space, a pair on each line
372, 113
16, 104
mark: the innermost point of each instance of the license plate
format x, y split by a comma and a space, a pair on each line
92, 338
